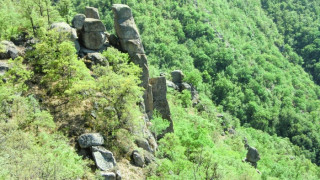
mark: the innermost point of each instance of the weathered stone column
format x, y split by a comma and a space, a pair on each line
131, 43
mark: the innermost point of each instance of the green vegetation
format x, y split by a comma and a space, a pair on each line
248, 59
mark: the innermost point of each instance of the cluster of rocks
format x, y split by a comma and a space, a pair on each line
8, 50
130, 42
145, 156
90, 30
253, 155
178, 84
103, 158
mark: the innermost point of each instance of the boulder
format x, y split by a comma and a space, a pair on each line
93, 25
8, 50
104, 159
97, 58
132, 46
3, 67
90, 139
172, 85
138, 160
124, 22
160, 103
148, 101
130, 42
177, 76
78, 21
108, 175
252, 155
144, 144
92, 12
185, 86
93, 40
63, 27
148, 158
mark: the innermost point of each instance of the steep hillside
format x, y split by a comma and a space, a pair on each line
79, 99
235, 49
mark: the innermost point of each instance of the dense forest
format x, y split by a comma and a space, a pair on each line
255, 64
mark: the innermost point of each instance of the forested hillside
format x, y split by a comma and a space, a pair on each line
254, 63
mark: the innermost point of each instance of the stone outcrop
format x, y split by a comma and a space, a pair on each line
160, 102
108, 175
138, 160
144, 144
177, 77
172, 85
104, 159
63, 27
178, 84
93, 36
92, 12
3, 67
90, 29
93, 25
8, 50
97, 58
131, 43
90, 139
253, 155
78, 21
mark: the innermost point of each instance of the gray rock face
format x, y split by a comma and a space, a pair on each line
93, 25
185, 86
8, 50
148, 158
3, 67
90, 139
92, 12
132, 46
137, 159
63, 27
144, 144
93, 40
104, 159
172, 85
130, 42
124, 22
252, 155
108, 175
160, 103
97, 58
177, 76
78, 21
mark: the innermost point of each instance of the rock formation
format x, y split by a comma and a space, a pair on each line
92, 12
131, 43
104, 159
90, 139
91, 30
138, 160
160, 103
65, 29
8, 50
93, 36
77, 21
253, 155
